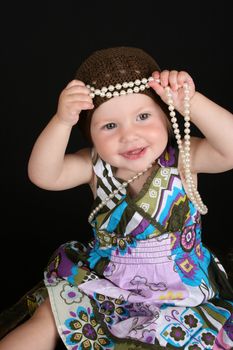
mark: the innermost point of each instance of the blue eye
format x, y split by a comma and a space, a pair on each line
110, 126
143, 116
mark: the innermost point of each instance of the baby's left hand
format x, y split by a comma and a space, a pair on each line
175, 80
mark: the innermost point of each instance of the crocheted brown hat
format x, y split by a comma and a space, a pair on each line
113, 66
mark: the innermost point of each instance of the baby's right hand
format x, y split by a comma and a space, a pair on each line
72, 100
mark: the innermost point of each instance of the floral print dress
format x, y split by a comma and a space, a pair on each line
146, 281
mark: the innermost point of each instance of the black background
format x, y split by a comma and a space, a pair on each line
42, 45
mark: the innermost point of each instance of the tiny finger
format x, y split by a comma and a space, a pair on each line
173, 81
164, 78
75, 82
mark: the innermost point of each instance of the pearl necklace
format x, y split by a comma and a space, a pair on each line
185, 156
117, 190
185, 151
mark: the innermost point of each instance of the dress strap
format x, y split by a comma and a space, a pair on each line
100, 167
106, 182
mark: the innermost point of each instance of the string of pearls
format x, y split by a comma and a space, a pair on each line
117, 190
185, 149
120, 89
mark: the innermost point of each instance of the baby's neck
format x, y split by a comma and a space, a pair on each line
135, 186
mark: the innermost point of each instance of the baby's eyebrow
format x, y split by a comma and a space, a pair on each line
141, 111
143, 108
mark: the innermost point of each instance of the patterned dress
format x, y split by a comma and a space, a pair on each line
146, 281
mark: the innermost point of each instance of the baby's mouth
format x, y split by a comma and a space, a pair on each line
135, 153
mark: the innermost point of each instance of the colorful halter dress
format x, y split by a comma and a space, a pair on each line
146, 281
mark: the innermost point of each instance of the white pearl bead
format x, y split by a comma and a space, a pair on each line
108, 94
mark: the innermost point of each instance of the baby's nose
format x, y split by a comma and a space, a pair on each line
129, 135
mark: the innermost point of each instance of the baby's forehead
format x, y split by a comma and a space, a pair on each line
130, 103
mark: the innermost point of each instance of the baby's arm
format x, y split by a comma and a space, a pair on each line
38, 333
214, 152
49, 167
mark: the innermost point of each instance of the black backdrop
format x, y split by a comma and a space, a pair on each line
42, 45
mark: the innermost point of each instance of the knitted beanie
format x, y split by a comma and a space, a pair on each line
113, 66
